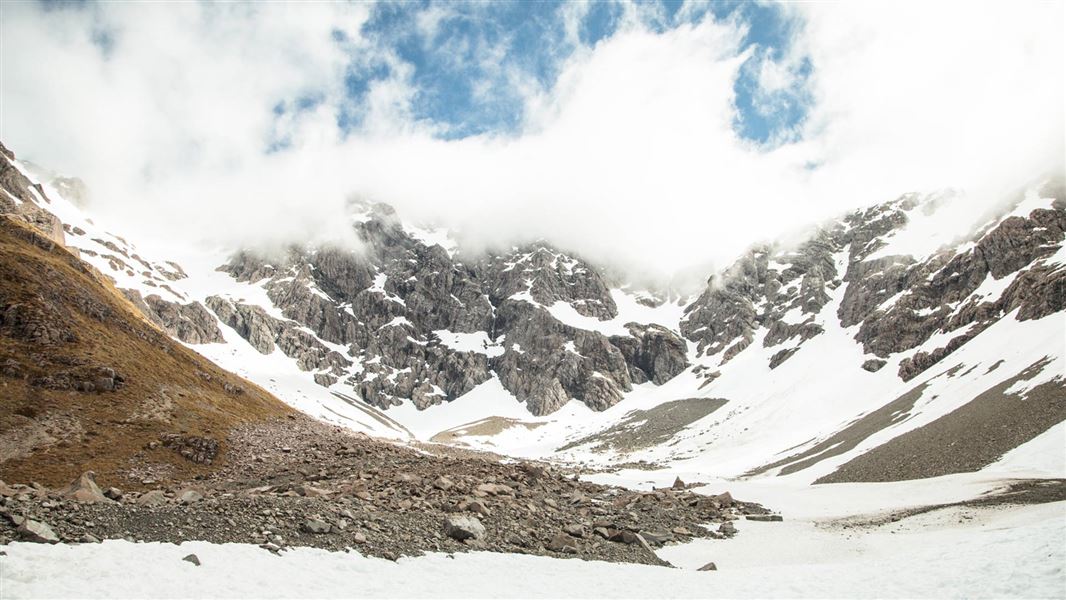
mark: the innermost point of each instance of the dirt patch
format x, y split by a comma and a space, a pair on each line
485, 427
373, 413
1018, 492
966, 439
646, 428
851, 436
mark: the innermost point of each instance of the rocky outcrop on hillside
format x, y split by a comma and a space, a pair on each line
896, 303
190, 323
653, 353
24, 199
400, 307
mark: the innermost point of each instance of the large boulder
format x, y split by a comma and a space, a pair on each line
37, 532
84, 490
459, 527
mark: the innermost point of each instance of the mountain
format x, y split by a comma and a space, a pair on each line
893, 329
87, 381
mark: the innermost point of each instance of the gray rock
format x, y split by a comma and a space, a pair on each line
190, 323
727, 529
37, 532
152, 498
192, 558
84, 490
472, 505
765, 518
463, 527
189, 496
873, 365
708, 567
575, 530
317, 526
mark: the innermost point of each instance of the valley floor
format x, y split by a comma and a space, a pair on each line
959, 551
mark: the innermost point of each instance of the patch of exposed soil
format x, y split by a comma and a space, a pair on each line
967, 439
1018, 492
646, 428
485, 427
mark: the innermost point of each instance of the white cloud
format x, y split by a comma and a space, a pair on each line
630, 158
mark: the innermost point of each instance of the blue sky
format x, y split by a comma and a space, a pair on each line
464, 92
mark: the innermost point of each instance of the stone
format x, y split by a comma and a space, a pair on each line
493, 489
443, 483
473, 505
316, 526
657, 538
37, 532
192, 558
708, 567
678, 484
189, 496
644, 544
84, 490
623, 536
575, 530
873, 365
113, 493
311, 491
89, 538
152, 498
561, 542
197, 449
765, 518
461, 528
727, 529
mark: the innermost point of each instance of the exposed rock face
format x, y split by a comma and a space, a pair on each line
190, 323
24, 199
398, 308
895, 303
653, 353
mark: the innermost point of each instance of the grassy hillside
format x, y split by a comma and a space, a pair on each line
87, 383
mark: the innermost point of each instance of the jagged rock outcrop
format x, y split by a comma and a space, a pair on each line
265, 332
399, 304
896, 302
23, 199
653, 353
190, 323
548, 276
546, 363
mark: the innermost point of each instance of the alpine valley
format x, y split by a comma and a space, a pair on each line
885, 392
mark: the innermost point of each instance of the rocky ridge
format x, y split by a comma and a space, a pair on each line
774, 295
393, 311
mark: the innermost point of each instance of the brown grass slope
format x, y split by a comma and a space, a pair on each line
64, 331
